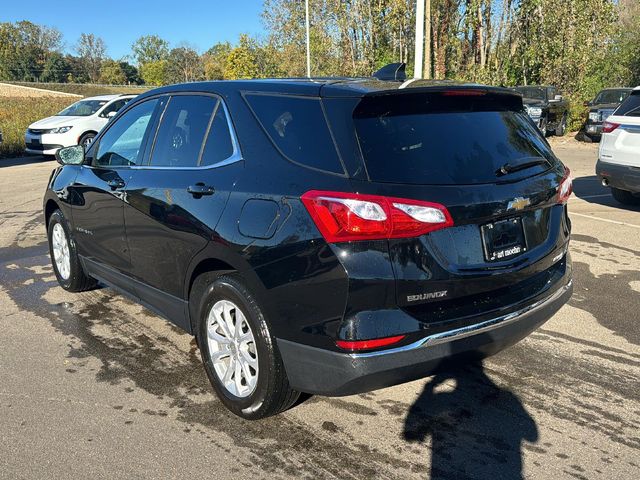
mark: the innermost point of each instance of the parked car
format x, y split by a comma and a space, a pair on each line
328, 236
548, 110
618, 163
603, 105
77, 124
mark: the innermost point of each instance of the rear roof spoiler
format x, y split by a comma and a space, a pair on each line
393, 72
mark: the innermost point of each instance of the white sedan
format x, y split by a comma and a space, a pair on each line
77, 124
619, 157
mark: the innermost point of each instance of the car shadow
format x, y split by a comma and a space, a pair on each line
12, 162
590, 190
476, 428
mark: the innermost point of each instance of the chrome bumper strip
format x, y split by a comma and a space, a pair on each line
469, 330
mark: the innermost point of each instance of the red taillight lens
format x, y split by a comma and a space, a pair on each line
608, 127
368, 344
343, 217
565, 188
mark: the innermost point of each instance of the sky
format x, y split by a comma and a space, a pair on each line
200, 23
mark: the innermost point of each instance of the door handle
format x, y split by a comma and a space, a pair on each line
200, 189
115, 183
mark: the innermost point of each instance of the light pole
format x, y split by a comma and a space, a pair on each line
306, 7
419, 46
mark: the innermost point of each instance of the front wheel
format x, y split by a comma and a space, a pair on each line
239, 353
562, 127
86, 140
625, 197
64, 257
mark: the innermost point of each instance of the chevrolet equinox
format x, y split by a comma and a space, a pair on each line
327, 236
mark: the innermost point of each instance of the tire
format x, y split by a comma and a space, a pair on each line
562, 127
253, 390
86, 139
625, 197
64, 256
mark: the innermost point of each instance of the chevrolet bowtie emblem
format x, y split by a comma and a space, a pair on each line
518, 203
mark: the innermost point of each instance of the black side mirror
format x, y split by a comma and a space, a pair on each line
70, 155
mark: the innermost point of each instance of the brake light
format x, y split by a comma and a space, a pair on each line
565, 188
464, 93
343, 217
368, 344
608, 127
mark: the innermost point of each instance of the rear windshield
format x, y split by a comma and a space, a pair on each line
631, 106
611, 96
442, 140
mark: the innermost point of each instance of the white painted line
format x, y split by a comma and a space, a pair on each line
574, 197
574, 214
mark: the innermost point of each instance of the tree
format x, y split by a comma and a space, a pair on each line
111, 73
215, 59
184, 65
154, 73
130, 73
92, 51
56, 69
241, 61
150, 48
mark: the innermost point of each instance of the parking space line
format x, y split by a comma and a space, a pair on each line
572, 214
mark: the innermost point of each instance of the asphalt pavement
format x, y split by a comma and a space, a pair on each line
95, 386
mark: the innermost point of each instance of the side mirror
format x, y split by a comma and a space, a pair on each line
557, 98
70, 155
111, 114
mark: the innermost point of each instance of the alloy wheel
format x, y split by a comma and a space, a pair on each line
61, 251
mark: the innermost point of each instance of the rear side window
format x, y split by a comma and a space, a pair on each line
440, 140
631, 106
298, 128
218, 146
182, 131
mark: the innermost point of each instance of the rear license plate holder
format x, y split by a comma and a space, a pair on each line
503, 239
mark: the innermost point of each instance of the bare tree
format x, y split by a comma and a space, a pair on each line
92, 51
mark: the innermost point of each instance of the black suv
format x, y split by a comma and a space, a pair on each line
328, 236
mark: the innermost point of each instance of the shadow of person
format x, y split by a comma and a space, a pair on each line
476, 427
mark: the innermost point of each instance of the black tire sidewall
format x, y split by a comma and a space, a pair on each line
76, 274
84, 137
230, 288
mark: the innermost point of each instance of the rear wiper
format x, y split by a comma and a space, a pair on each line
507, 168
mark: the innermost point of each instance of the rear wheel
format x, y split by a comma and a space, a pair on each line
64, 257
625, 197
239, 353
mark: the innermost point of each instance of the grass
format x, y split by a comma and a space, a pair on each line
17, 113
86, 90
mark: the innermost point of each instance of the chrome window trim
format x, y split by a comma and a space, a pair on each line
469, 330
235, 156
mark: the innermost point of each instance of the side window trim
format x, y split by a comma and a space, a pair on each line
206, 133
235, 156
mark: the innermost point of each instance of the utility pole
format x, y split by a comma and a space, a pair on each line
427, 40
419, 42
306, 6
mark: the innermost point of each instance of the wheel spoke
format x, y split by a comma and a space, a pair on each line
214, 335
248, 359
238, 377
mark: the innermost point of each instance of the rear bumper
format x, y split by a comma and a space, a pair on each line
623, 177
324, 372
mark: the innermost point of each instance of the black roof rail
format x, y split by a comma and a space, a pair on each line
393, 71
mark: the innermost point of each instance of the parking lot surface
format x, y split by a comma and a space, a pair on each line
95, 386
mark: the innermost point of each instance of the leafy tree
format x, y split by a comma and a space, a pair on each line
215, 60
154, 73
184, 65
150, 48
111, 73
56, 69
92, 51
130, 73
242, 61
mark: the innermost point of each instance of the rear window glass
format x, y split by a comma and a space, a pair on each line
439, 140
298, 128
630, 107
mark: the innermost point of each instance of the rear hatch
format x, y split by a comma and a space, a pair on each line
621, 142
474, 152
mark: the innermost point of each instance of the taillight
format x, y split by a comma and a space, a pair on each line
368, 344
608, 127
343, 217
565, 188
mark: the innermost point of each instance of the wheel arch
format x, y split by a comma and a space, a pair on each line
85, 133
49, 207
